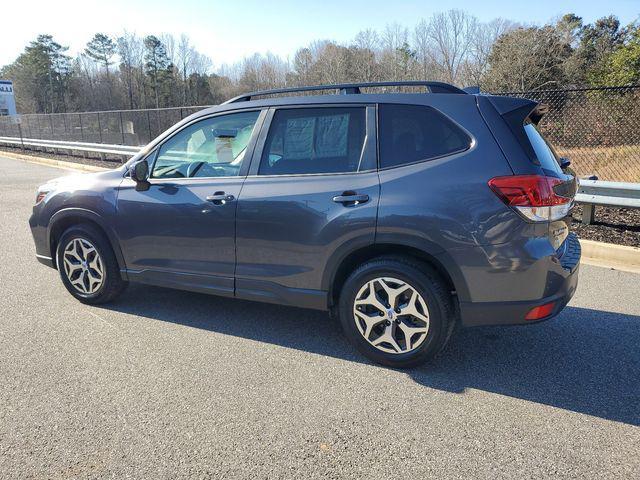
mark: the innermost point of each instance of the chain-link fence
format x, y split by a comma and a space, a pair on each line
118, 127
598, 129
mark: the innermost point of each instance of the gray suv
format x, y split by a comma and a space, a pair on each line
403, 214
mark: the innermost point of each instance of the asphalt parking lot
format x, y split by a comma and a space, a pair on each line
168, 384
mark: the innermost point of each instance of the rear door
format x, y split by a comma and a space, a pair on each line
312, 192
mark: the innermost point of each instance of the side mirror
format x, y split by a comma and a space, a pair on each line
140, 175
564, 163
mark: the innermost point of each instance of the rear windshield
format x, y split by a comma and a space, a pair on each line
544, 152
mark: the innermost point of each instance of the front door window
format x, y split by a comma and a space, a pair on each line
213, 147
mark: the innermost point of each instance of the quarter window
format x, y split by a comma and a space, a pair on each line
544, 152
314, 140
413, 133
213, 147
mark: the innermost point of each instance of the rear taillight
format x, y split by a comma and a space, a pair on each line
540, 312
533, 196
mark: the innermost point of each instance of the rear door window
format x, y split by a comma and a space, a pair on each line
314, 140
414, 133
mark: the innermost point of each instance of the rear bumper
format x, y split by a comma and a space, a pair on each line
556, 276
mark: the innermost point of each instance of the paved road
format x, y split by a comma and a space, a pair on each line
166, 384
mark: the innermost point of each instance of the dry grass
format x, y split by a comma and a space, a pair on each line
621, 163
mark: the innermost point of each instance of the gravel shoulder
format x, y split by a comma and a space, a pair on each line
612, 225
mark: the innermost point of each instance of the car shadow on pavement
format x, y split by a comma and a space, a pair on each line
585, 360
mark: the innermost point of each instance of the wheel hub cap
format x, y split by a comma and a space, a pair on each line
83, 266
391, 315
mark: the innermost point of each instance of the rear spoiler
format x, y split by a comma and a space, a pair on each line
515, 112
518, 109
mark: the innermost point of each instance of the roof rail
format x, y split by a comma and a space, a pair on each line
352, 88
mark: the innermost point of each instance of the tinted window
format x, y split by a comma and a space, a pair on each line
545, 154
411, 133
314, 140
214, 147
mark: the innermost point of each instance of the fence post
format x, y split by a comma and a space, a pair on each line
588, 213
20, 132
81, 128
99, 127
149, 125
122, 128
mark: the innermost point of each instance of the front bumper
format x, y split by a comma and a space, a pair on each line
555, 275
41, 240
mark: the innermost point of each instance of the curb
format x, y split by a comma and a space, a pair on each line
53, 163
610, 255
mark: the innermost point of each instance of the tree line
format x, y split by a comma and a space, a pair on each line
129, 71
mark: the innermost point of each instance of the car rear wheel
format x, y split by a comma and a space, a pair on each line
87, 265
397, 311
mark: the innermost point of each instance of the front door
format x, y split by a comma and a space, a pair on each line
181, 232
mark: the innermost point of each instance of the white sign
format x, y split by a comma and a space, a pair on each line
7, 100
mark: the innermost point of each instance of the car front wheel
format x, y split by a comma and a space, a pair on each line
87, 265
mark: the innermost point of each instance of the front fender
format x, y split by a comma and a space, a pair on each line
64, 218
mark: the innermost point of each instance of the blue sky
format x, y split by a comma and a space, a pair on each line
228, 30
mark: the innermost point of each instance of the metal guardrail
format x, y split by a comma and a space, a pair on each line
101, 148
610, 194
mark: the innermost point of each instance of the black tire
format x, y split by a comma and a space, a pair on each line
112, 282
427, 282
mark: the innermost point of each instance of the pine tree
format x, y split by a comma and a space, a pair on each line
101, 49
49, 65
157, 65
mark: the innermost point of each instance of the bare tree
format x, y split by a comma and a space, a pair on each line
303, 67
394, 38
484, 37
183, 57
367, 40
131, 53
332, 63
198, 63
451, 34
169, 42
423, 49
527, 59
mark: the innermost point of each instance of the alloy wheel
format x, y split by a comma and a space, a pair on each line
391, 315
83, 266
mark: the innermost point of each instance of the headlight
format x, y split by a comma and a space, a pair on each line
40, 196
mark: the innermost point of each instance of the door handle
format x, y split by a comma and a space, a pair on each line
220, 198
351, 198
